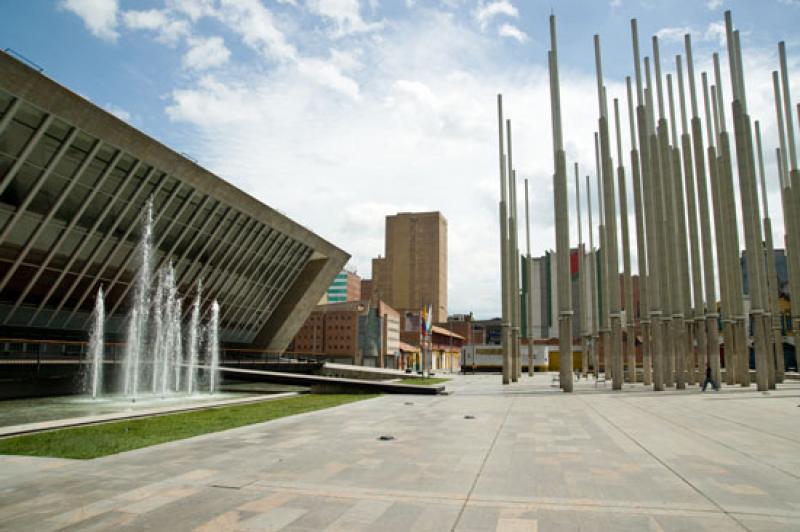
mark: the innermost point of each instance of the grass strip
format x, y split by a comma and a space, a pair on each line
92, 441
423, 380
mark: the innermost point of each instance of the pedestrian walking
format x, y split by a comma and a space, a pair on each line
709, 380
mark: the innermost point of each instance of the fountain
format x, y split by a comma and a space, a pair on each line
96, 344
213, 346
194, 341
153, 362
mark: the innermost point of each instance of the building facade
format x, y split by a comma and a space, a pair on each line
353, 332
74, 184
346, 286
415, 270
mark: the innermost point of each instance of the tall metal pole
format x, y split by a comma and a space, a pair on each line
592, 283
529, 273
602, 293
726, 289
612, 259
728, 205
629, 326
641, 249
749, 203
581, 284
562, 221
773, 283
504, 266
653, 352
669, 281
684, 344
513, 249
789, 216
697, 312
659, 272
708, 298
792, 193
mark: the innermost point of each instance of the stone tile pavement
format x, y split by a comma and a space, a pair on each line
531, 459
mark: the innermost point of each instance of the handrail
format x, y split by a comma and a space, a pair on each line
35, 65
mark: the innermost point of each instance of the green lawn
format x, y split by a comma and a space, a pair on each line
423, 380
110, 438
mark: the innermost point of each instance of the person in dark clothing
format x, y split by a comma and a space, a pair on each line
709, 380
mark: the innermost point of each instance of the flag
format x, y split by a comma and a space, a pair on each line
574, 263
429, 320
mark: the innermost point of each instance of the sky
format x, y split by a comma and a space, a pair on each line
340, 112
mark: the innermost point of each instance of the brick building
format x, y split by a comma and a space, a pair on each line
352, 332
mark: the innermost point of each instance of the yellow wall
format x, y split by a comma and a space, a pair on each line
554, 364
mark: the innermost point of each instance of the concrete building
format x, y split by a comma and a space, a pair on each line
414, 272
544, 300
463, 325
74, 181
487, 331
781, 268
366, 289
346, 286
353, 332
442, 345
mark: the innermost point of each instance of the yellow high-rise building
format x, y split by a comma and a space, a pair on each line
414, 273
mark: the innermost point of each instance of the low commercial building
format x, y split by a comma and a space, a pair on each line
354, 332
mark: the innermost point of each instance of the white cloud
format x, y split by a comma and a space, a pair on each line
206, 53
419, 92
715, 32
419, 136
169, 30
194, 9
713, 5
673, 34
117, 111
99, 16
328, 75
346, 15
256, 25
615, 3
513, 32
347, 60
341, 133
152, 19
484, 13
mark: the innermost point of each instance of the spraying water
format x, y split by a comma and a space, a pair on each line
153, 361
194, 340
96, 344
177, 344
137, 326
213, 346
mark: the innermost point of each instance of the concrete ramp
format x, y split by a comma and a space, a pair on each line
349, 371
324, 384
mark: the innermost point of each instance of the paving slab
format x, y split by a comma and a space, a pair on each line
484, 457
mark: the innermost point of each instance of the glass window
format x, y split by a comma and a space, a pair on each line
5, 102
21, 184
29, 116
15, 138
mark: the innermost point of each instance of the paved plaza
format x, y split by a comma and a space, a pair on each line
532, 458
